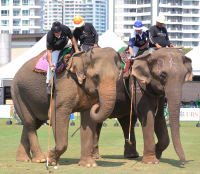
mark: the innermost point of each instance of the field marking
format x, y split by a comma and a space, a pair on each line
11, 135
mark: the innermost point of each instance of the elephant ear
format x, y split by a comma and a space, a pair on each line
188, 65
76, 65
140, 68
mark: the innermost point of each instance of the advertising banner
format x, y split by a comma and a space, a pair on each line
189, 114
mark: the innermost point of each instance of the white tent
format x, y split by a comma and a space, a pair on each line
8, 71
195, 56
110, 39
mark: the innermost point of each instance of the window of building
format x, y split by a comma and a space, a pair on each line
187, 44
16, 12
4, 22
4, 12
4, 31
5, 2
140, 10
130, 2
129, 10
25, 2
16, 2
25, 22
25, 31
187, 2
16, 31
195, 44
25, 12
187, 35
16, 22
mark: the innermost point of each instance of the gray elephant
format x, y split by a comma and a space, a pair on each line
92, 78
159, 76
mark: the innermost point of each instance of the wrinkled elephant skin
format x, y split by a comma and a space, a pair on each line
164, 71
77, 90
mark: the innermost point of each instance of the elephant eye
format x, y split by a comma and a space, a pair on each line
95, 78
163, 75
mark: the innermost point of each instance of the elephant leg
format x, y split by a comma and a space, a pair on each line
88, 128
23, 151
129, 150
29, 140
161, 130
60, 125
37, 155
96, 154
145, 113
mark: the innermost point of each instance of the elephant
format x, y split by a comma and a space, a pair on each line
89, 82
158, 76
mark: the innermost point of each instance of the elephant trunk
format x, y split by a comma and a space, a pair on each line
107, 97
174, 100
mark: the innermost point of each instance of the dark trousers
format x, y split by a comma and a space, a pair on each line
85, 47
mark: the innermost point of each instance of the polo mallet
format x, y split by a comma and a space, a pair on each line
50, 112
131, 111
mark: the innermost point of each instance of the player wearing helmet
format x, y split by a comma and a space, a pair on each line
57, 39
138, 41
158, 35
85, 33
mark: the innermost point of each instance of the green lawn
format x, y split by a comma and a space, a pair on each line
111, 148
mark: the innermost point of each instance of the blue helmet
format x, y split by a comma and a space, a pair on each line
138, 25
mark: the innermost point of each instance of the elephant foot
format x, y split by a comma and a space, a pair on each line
88, 162
38, 159
51, 158
96, 156
150, 160
23, 158
158, 154
134, 154
130, 151
23, 154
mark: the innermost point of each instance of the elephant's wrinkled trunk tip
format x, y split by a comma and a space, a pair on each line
107, 97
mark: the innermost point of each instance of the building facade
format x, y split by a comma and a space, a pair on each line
21, 16
182, 18
92, 11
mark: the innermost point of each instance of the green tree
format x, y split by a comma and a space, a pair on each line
185, 50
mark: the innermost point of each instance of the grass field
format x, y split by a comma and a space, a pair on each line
111, 148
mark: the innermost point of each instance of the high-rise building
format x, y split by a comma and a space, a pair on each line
182, 18
21, 16
92, 11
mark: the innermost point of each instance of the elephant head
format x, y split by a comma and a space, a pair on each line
166, 70
101, 69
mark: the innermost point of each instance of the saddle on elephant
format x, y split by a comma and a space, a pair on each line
42, 62
125, 56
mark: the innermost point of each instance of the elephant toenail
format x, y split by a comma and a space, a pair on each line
94, 165
88, 165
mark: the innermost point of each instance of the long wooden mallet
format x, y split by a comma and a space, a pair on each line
50, 112
131, 111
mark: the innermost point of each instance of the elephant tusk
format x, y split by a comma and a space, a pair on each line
120, 73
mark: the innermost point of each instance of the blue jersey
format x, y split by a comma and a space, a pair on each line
138, 40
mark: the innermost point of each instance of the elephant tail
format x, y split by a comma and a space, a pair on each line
16, 99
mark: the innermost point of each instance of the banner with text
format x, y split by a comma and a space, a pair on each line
189, 114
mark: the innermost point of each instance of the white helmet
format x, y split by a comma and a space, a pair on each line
161, 19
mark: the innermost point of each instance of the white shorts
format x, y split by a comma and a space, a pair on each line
55, 55
136, 49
